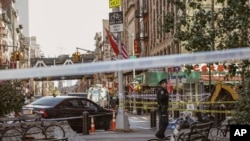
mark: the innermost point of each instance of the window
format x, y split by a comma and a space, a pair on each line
48, 101
72, 104
88, 105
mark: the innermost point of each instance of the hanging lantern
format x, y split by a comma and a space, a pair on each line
204, 68
220, 68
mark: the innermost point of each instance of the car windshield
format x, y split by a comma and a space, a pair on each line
96, 92
46, 101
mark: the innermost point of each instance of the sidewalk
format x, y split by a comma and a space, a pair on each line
133, 135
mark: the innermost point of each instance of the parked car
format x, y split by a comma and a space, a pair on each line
72, 106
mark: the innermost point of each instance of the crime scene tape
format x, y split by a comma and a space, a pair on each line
119, 65
191, 110
183, 103
179, 106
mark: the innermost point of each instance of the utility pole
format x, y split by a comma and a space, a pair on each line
133, 54
212, 48
122, 122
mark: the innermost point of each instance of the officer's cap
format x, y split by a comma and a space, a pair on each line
163, 81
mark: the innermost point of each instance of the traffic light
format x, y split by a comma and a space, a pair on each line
76, 57
138, 87
136, 46
16, 55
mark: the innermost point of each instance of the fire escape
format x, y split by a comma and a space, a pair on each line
141, 27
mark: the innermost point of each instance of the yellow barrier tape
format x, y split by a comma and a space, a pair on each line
202, 111
217, 102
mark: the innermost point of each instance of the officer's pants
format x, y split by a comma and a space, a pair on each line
163, 123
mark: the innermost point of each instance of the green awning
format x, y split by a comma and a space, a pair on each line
153, 78
192, 76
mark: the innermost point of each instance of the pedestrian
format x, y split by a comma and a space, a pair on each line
162, 101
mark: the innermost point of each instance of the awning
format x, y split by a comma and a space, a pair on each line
153, 78
192, 76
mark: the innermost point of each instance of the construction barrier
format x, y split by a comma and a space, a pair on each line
92, 126
113, 124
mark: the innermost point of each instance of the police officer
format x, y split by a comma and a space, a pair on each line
162, 100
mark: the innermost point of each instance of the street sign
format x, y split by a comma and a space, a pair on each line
132, 57
114, 3
116, 21
177, 68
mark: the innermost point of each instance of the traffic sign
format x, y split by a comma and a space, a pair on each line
132, 57
114, 3
116, 21
177, 68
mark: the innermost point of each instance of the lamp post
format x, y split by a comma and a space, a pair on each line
121, 118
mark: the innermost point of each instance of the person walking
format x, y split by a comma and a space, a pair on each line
162, 101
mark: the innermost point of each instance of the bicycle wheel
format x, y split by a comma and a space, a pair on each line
217, 132
54, 131
12, 134
34, 131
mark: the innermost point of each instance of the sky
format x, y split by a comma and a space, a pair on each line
62, 25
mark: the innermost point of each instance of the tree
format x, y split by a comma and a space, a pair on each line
11, 96
202, 29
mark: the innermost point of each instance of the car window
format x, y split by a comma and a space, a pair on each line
89, 105
84, 95
47, 101
73, 103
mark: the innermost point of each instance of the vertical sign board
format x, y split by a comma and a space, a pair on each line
114, 3
116, 21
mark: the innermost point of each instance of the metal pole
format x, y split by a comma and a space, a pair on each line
133, 53
122, 118
212, 48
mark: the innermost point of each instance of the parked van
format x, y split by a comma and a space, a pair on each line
99, 95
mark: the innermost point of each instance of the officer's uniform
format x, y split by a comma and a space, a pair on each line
162, 100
